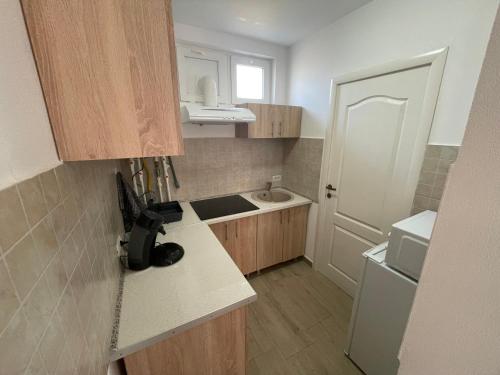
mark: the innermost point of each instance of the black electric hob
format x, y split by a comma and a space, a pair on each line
223, 206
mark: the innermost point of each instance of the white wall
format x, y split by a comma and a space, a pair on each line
26, 144
385, 30
454, 326
239, 44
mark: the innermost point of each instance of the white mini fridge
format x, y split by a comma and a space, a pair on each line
380, 313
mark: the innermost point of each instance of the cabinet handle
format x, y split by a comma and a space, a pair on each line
281, 217
280, 129
226, 230
289, 212
272, 128
237, 229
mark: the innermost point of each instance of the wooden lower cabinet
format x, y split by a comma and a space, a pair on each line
270, 239
295, 231
216, 347
281, 236
260, 241
239, 238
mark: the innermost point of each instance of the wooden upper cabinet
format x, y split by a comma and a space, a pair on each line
293, 120
273, 121
295, 232
109, 76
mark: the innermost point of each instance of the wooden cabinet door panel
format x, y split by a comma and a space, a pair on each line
214, 347
295, 231
269, 239
221, 231
108, 72
244, 253
293, 119
278, 120
261, 128
239, 238
273, 121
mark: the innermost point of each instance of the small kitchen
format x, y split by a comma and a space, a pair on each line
225, 187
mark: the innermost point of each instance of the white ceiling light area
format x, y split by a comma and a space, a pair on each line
278, 21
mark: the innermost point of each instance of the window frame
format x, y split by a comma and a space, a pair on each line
185, 51
266, 66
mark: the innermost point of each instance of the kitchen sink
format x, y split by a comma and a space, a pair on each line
271, 196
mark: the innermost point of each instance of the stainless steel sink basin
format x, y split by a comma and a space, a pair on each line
271, 196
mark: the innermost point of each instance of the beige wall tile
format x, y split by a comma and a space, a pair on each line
24, 265
50, 189
17, 345
66, 363
52, 344
13, 223
45, 241
65, 181
8, 299
60, 223
70, 256
38, 308
56, 276
302, 166
36, 366
49, 266
435, 168
33, 200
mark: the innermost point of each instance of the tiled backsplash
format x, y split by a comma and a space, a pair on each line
302, 166
218, 166
437, 162
58, 270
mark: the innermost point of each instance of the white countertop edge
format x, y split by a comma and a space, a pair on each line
125, 351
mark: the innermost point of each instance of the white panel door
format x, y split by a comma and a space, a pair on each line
377, 146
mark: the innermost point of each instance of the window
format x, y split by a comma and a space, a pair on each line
249, 82
239, 78
250, 79
194, 64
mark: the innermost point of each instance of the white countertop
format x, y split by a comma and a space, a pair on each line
189, 216
158, 303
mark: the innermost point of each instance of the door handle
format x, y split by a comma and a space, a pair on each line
226, 230
330, 188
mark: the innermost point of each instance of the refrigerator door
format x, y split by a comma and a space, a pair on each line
379, 319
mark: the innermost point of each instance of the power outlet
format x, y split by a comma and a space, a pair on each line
276, 178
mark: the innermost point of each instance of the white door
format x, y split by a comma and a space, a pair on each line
377, 144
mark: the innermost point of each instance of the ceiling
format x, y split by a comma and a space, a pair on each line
278, 21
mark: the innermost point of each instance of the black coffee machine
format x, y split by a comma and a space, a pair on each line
141, 249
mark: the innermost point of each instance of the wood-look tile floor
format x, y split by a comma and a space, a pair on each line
298, 325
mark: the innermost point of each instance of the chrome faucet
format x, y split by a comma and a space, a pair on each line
268, 186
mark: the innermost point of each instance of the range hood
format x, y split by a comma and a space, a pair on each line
199, 114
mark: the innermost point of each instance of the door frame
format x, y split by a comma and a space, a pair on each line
436, 61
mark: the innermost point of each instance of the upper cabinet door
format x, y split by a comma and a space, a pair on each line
291, 124
273, 121
109, 76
